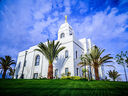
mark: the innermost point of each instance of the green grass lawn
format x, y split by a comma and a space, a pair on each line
62, 87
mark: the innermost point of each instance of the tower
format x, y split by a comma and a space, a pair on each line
65, 30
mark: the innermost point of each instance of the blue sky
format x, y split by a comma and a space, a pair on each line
24, 23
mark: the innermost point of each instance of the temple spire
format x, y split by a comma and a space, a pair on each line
65, 18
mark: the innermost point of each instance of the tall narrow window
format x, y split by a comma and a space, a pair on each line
16, 76
77, 70
56, 58
62, 35
66, 71
37, 61
66, 54
76, 54
18, 68
24, 63
35, 76
56, 72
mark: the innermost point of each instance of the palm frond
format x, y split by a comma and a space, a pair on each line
6, 62
50, 50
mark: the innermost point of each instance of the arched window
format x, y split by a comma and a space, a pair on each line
62, 35
37, 61
66, 54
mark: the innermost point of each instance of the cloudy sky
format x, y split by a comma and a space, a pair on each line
24, 23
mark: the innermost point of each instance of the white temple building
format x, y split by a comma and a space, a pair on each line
33, 64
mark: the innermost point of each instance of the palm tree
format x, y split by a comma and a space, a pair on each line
113, 74
50, 51
86, 60
11, 73
122, 59
97, 60
5, 64
84, 70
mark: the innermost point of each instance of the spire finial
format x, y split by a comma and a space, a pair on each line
65, 18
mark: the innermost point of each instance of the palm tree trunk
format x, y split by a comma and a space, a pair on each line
88, 76
96, 72
125, 73
90, 73
85, 70
85, 75
50, 71
4, 74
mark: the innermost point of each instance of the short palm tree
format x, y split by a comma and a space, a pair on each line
50, 51
11, 73
113, 74
5, 64
85, 61
97, 60
84, 70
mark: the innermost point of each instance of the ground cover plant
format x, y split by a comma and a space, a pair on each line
62, 87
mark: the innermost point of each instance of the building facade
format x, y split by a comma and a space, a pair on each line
33, 64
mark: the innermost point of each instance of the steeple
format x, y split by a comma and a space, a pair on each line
65, 18
65, 30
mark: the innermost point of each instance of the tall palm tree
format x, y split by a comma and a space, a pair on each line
5, 64
50, 51
97, 60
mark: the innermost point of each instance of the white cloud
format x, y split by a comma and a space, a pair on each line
39, 29
102, 27
67, 7
43, 9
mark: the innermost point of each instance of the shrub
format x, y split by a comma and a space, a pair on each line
71, 77
64, 77
76, 78
83, 78
62, 74
69, 73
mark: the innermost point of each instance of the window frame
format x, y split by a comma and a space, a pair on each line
16, 76
37, 60
66, 54
77, 71
19, 64
62, 35
76, 54
34, 76
18, 67
56, 72
25, 63
67, 71
56, 58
